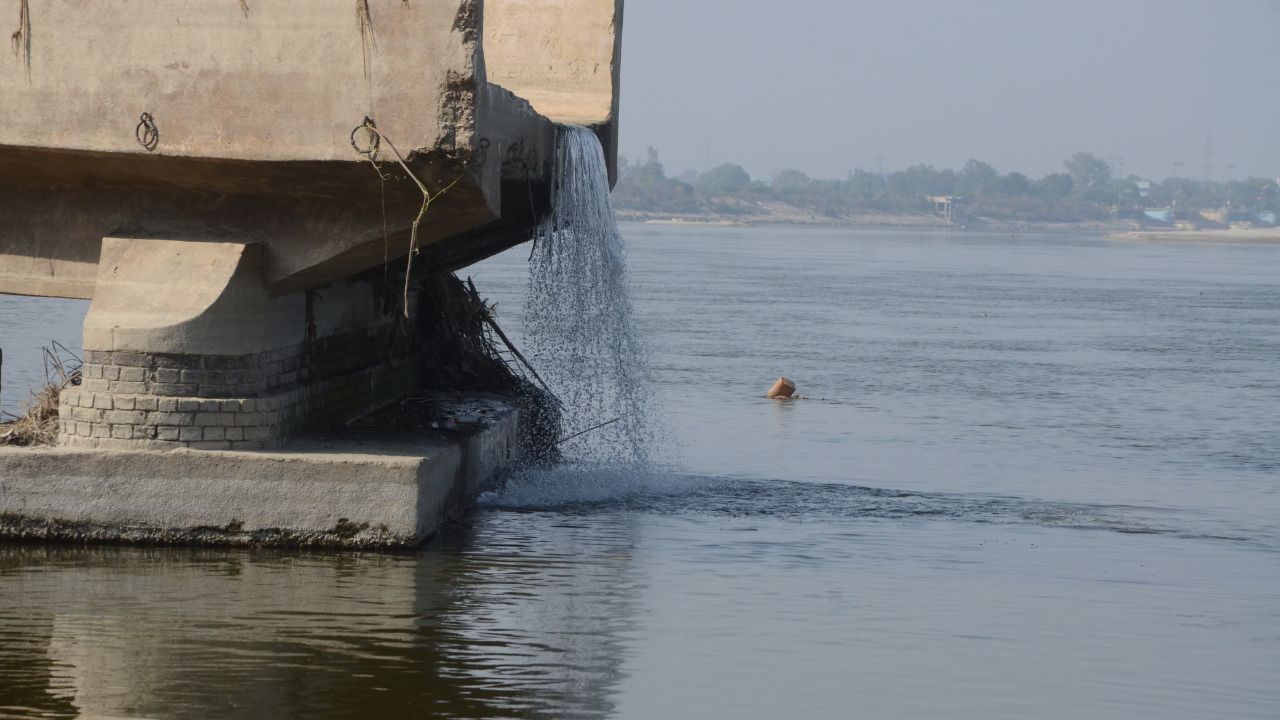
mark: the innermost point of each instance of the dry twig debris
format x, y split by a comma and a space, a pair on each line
38, 423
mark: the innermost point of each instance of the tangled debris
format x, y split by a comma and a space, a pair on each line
38, 423
464, 351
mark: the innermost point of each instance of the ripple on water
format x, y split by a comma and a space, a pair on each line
587, 489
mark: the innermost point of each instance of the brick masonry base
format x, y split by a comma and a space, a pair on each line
132, 400
109, 420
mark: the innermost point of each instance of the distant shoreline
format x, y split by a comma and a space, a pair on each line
1258, 236
793, 216
1111, 230
782, 214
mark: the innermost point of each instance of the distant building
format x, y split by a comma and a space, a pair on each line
948, 206
1222, 216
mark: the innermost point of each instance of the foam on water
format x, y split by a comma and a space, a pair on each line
579, 328
566, 486
574, 489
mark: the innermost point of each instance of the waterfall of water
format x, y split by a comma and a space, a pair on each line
578, 320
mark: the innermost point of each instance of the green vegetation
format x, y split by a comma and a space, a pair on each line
1086, 191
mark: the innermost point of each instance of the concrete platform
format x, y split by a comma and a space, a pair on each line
365, 487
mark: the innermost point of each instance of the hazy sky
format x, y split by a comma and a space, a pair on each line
826, 85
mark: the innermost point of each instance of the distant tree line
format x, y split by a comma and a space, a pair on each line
1085, 191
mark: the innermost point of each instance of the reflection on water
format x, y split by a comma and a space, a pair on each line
1035, 478
528, 628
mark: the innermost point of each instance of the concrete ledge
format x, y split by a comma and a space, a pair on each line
362, 488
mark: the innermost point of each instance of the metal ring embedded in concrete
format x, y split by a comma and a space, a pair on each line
146, 132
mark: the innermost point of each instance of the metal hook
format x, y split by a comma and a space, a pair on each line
375, 140
146, 132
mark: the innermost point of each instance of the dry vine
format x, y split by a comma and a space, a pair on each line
371, 154
367, 39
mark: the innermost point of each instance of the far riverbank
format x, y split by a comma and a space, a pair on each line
790, 215
1263, 236
784, 214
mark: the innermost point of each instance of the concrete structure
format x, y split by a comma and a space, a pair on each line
363, 488
949, 207
202, 172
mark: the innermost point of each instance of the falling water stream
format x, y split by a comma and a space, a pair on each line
579, 326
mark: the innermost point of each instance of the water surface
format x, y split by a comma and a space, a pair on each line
1034, 477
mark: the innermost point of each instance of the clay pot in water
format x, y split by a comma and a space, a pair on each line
782, 389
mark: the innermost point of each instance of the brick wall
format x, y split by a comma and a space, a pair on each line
91, 419
231, 376
246, 402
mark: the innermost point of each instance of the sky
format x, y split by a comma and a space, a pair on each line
827, 86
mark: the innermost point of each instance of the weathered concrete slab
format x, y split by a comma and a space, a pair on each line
360, 488
577, 81
186, 116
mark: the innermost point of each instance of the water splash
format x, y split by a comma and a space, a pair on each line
578, 491
579, 326
565, 487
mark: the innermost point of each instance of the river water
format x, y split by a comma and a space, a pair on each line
1032, 477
